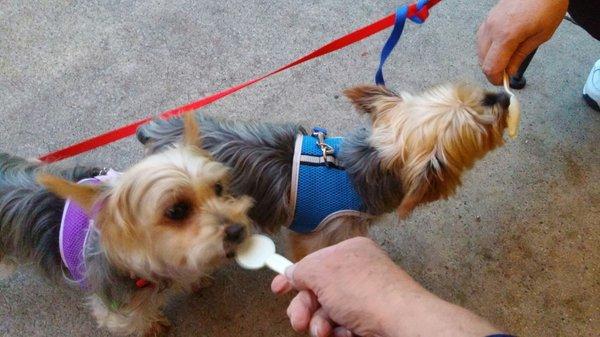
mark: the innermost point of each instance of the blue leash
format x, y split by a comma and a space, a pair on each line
401, 16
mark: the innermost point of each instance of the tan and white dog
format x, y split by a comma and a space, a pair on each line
159, 227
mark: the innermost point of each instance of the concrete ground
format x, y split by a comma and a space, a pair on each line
519, 243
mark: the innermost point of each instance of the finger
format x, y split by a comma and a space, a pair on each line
483, 43
497, 60
320, 324
281, 285
342, 332
301, 309
521, 53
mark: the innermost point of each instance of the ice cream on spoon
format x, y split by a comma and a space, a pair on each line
259, 251
514, 110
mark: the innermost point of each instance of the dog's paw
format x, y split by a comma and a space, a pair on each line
158, 328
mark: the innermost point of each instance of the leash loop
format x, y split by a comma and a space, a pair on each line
415, 12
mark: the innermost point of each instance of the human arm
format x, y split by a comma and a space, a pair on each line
354, 286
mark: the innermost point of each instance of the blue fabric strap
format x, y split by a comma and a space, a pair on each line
401, 15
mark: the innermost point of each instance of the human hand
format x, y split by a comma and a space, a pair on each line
512, 30
345, 284
355, 288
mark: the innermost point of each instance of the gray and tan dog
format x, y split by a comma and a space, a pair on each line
159, 227
414, 152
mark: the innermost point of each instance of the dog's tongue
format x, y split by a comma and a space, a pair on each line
514, 111
259, 251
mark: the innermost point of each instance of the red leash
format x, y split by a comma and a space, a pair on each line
130, 129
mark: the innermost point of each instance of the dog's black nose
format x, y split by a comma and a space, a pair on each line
141, 136
503, 99
235, 233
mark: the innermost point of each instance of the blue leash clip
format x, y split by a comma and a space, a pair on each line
401, 16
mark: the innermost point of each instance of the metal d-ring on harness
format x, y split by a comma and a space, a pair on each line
103, 171
321, 133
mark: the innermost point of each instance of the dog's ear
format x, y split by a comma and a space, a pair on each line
372, 99
85, 195
426, 180
191, 131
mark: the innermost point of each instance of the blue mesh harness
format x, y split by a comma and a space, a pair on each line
321, 188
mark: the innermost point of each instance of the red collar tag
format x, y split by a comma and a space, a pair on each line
141, 283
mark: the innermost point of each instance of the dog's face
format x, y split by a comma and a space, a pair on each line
430, 139
169, 216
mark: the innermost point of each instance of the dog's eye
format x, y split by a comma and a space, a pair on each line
218, 189
178, 211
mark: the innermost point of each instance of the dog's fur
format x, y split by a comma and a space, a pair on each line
414, 152
167, 220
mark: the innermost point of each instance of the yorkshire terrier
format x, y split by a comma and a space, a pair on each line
330, 189
127, 239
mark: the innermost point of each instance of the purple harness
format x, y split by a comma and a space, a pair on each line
74, 229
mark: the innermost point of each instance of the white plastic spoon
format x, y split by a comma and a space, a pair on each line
259, 251
514, 110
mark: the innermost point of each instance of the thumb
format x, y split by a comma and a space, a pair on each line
294, 275
496, 60
311, 272
289, 275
